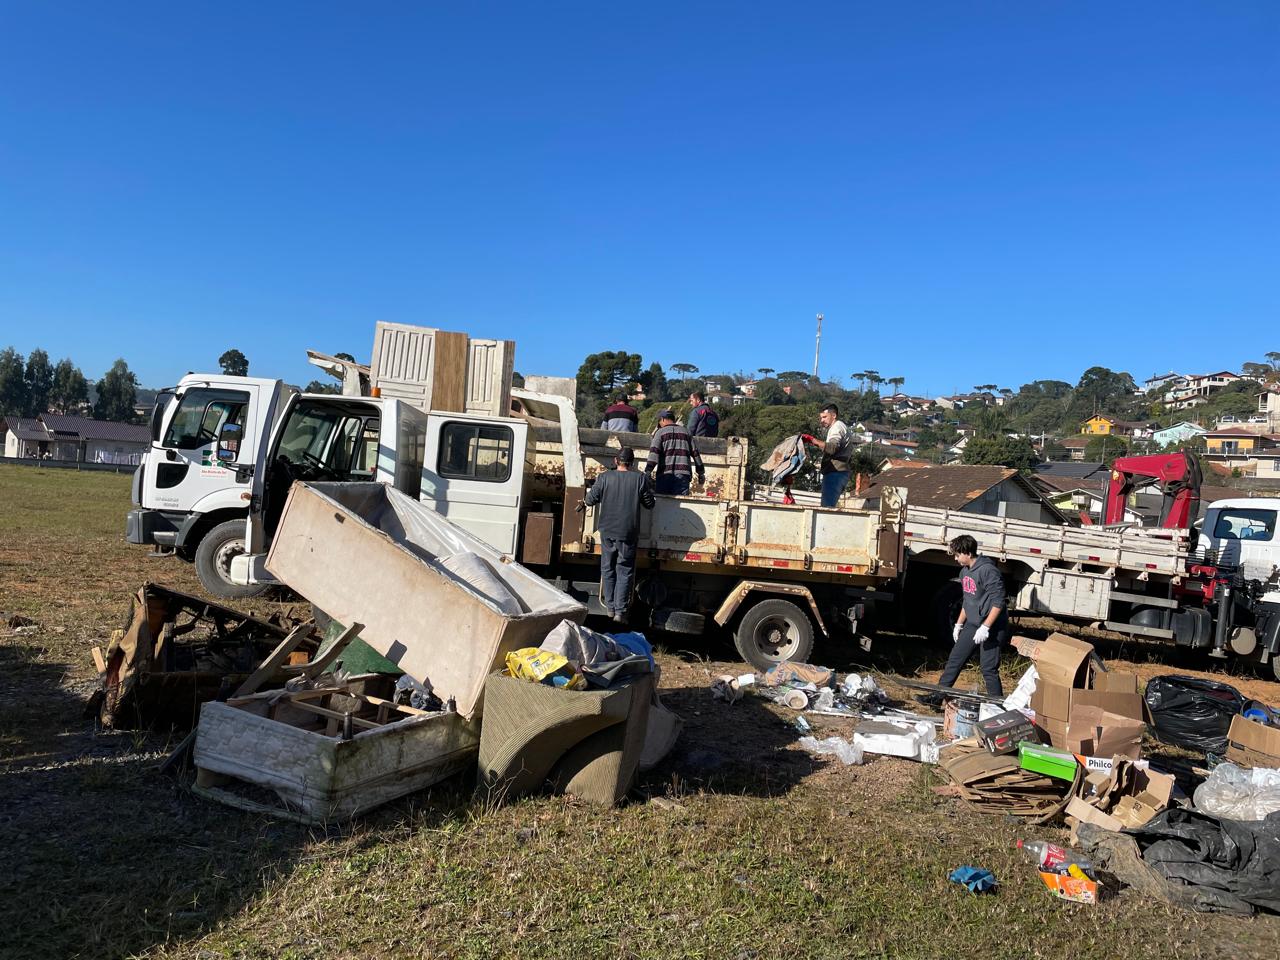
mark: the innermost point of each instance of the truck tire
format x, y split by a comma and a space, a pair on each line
213, 562
678, 621
773, 631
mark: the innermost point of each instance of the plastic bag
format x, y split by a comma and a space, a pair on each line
1234, 793
846, 752
543, 666
1192, 713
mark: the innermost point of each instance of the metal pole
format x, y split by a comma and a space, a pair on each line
817, 346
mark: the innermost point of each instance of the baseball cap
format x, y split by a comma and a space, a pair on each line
666, 413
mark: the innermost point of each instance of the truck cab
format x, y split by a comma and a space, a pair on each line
226, 448
1241, 532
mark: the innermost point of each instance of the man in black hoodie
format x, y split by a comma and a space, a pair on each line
983, 620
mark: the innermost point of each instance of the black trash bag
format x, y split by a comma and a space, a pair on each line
1193, 860
1192, 713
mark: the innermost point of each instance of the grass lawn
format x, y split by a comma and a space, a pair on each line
765, 852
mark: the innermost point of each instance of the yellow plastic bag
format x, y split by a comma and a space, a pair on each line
543, 666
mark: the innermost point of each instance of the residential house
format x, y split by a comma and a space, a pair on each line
905, 405
961, 400
25, 439
82, 439
1269, 406
1178, 433
1235, 442
1080, 497
748, 388
1099, 425
1162, 381
991, 491
720, 397
1198, 387
1074, 447
893, 463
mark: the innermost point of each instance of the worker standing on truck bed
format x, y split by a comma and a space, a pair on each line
703, 421
983, 620
621, 493
836, 452
673, 457
620, 416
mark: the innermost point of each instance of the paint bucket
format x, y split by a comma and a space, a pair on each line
796, 700
966, 718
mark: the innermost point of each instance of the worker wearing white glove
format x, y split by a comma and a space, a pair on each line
983, 623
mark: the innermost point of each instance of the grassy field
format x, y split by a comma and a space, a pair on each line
763, 852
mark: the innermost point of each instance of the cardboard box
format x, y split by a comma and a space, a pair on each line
1052, 731
1085, 812
1093, 731
1253, 744
1047, 760
1133, 795
1063, 660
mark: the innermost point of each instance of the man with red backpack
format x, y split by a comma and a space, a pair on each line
703, 420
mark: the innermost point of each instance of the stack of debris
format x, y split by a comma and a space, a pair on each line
1081, 706
1001, 784
176, 652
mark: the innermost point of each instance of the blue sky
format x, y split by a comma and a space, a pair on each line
970, 193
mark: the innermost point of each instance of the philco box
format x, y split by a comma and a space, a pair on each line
1253, 744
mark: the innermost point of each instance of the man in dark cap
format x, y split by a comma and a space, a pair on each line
673, 457
618, 495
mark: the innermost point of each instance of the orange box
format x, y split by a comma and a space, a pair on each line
1072, 888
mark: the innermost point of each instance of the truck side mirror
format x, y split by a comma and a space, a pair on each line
229, 437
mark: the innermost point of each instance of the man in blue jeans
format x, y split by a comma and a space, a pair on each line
619, 494
673, 457
983, 620
836, 453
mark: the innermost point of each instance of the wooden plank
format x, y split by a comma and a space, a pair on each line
322, 663
99, 661
449, 372
283, 694
335, 715
267, 669
403, 708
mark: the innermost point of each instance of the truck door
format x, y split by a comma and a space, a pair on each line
474, 474
182, 474
1245, 535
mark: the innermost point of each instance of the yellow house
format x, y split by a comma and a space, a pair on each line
1098, 426
1227, 442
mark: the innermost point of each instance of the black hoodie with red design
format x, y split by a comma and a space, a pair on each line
983, 588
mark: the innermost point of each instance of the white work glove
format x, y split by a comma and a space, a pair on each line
980, 635
955, 632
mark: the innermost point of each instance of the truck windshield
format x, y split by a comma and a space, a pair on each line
201, 413
1241, 523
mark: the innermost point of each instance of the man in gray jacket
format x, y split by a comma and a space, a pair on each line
983, 620
619, 494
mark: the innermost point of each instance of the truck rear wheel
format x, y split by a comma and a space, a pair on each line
213, 562
773, 631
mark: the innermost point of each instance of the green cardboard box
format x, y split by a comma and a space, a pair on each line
1047, 760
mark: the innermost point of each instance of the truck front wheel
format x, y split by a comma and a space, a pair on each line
773, 631
213, 562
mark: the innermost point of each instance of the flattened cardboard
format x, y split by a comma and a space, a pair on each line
1093, 731
1052, 700
1253, 744
1063, 660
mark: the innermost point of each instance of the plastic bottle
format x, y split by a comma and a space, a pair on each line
1051, 858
